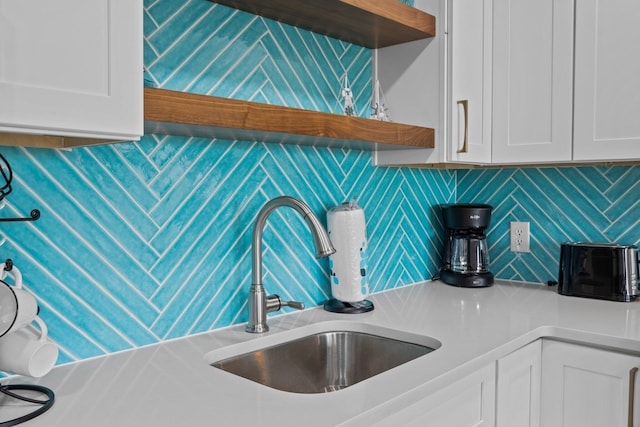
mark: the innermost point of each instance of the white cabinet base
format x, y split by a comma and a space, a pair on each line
518, 389
469, 402
586, 387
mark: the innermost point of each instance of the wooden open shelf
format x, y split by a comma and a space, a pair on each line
369, 23
179, 113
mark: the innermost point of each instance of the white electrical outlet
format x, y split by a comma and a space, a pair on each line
520, 237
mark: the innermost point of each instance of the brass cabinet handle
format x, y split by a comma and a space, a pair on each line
465, 107
632, 392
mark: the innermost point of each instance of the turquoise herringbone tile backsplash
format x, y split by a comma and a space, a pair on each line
141, 242
596, 204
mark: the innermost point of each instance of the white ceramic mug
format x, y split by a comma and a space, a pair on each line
28, 351
18, 308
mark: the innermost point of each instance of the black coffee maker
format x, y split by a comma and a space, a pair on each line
466, 253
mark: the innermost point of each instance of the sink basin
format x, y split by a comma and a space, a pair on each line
324, 361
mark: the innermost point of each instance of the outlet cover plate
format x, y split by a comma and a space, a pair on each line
520, 237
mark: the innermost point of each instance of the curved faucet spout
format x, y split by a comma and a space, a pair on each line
259, 303
321, 241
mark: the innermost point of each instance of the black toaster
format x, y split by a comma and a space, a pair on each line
599, 270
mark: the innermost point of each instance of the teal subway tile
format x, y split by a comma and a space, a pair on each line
292, 87
221, 229
286, 66
118, 179
532, 198
593, 176
149, 56
88, 220
612, 173
148, 144
590, 186
230, 73
191, 161
212, 288
189, 54
162, 11
229, 314
212, 225
626, 203
101, 322
136, 159
358, 174
312, 85
268, 95
190, 182
624, 230
175, 21
582, 194
161, 149
385, 203
620, 186
252, 85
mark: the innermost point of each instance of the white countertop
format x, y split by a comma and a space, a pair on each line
171, 384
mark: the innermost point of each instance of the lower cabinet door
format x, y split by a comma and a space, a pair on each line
518, 389
468, 402
588, 387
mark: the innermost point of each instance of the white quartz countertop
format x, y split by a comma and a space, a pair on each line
171, 383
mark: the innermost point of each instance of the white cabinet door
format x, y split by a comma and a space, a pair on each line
469, 36
469, 402
607, 80
532, 80
71, 67
518, 388
426, 81
586, 387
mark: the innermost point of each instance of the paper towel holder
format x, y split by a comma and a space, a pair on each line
335, 306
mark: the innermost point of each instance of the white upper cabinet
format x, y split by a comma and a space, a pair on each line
72, 68
532, 80
469, 36
607, 80
424, 80
529, 81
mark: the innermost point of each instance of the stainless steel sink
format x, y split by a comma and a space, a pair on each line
323, 362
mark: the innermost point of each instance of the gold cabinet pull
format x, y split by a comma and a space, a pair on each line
632, 392
465, 107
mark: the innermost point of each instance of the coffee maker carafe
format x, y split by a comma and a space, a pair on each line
466, 252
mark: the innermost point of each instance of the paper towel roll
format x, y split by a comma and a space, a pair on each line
347, 231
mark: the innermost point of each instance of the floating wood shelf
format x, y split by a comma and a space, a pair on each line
179, 113
369, 23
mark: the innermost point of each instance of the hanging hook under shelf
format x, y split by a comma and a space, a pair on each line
6, 174
35, 215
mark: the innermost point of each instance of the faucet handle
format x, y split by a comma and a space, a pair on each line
293, 304
275, 303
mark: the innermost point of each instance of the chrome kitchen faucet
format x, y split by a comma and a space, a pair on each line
259, 303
